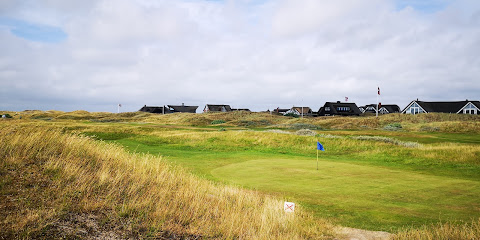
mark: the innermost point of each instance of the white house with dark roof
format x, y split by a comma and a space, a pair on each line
383, 108
300, 111
458, 107
217, 108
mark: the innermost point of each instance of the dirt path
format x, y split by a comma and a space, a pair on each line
346, 233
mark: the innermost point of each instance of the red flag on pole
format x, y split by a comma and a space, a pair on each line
378, 90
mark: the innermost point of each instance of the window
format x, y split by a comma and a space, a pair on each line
415, 109
327, 109
470, 109
343, 109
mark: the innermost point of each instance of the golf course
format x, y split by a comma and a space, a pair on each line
400, 174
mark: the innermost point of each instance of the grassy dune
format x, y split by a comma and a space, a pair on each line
69, 175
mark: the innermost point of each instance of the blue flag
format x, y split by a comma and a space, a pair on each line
320, 147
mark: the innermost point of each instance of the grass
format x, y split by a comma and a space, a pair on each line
443, 231
371, 176
403, 187
70, 175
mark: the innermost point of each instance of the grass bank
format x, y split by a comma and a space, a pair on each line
50, 180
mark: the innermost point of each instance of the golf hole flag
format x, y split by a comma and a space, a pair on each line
289, 207
320, 147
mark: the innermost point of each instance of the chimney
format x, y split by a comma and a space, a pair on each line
183, 104
338, 101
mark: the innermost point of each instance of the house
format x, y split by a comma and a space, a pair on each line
281, 111
460, 107
154, 109
339, 108
241, 109
182, 108
217, 108
384, 109
300, 111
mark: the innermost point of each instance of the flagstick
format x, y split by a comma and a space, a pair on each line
377, 105
317, 158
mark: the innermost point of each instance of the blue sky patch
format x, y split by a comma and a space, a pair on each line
426, 6
34, 32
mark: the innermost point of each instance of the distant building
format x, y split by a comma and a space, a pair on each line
300, 111
384, 108
241, 109
281, 111
339, 108
459, 107
217, 108
155, 109
182, 108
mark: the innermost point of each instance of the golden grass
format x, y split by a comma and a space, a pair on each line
442, 122
443, 231
92, 176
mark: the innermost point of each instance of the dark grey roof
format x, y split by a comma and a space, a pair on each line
443, 107
336, 109
391, 108
154, 109
281, 110
217, 107
241, 109
183, 108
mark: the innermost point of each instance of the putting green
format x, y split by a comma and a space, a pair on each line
367, 197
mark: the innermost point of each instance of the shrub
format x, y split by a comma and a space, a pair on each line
306, 132
218, 121
393, 127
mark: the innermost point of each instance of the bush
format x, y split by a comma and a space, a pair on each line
393, 127
305, 132
7, 115
218, 121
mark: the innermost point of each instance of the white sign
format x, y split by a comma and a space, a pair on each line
289, 207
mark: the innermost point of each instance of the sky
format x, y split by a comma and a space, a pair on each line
258, 54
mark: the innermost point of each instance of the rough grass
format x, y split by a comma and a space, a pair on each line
71, 175
431, 122
442, 231
449, 147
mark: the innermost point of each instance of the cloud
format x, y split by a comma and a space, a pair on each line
250, 54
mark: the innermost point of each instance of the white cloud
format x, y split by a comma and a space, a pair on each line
250, 55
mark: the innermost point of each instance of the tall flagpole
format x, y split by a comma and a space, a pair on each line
317, 158
377, 100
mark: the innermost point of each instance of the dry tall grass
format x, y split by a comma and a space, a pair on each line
151, 196
444, 231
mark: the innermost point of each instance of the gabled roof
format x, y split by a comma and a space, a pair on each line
183, 108
305, 110
154, 109
443, 107
391, 108
217, 107
352, 109
475, 103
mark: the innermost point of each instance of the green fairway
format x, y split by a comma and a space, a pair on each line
362, 196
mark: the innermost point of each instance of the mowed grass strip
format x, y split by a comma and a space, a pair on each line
367, 197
